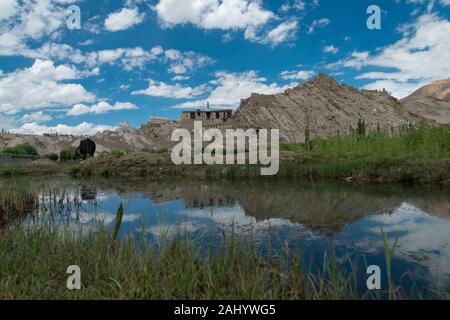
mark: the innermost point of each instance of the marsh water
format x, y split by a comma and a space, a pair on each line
308, 218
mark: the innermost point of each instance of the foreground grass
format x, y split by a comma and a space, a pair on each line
33, 265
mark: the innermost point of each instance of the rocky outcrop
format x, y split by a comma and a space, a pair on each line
329, 108
431, 102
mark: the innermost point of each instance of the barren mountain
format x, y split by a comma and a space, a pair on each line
431, 101
328, 106
43, 144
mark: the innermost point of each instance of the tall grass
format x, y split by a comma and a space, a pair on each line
17, 197
423, 142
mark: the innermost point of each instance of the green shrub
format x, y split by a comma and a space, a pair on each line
117, 153
52, 156
68, 154
22, 149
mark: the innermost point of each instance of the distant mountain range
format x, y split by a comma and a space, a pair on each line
326, 106
431, 101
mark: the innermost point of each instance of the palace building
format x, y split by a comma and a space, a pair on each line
211, 118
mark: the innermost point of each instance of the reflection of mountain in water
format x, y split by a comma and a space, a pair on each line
324, 206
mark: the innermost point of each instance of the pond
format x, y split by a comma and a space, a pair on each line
308, 218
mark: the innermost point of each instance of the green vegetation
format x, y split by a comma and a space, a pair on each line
52, 156
68, 154
21, 149
417, 143
33, 265
17, 198
12, 170
117, 153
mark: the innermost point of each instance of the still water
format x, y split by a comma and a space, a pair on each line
308, 218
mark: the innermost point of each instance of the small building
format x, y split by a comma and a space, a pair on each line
223, 115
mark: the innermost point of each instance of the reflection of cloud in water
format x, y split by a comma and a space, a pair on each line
235, 216
423, 239
171, 230
103, 217
199, 220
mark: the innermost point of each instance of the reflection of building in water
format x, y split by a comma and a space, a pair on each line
88, 193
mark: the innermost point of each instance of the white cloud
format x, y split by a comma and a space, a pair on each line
180, 78
330, 49
83, 129
281, 33
8, 8
31, 21
177, 91
99, 108
319, 23
123, 19
128, 58
247, 15
37, 117
41, 85
213, 14
184, 62
230, 88
397, 89
297, 75
421, 56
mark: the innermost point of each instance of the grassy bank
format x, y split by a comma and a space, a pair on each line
411, 155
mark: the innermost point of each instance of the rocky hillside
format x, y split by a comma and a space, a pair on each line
329, 107
431, 101
43, 144
150, 137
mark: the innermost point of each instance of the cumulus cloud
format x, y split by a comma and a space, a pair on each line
281, 33
83, 129
297, 75
230, 88
176, 91
213, 14
298, 5
41, 85
99, 108
330, 49
319, 23
420, 57
31, 21
184, 62
246, 15
127, 58
8, 8
36, 117
123, 19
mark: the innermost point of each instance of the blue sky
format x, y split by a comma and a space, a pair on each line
139, 58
